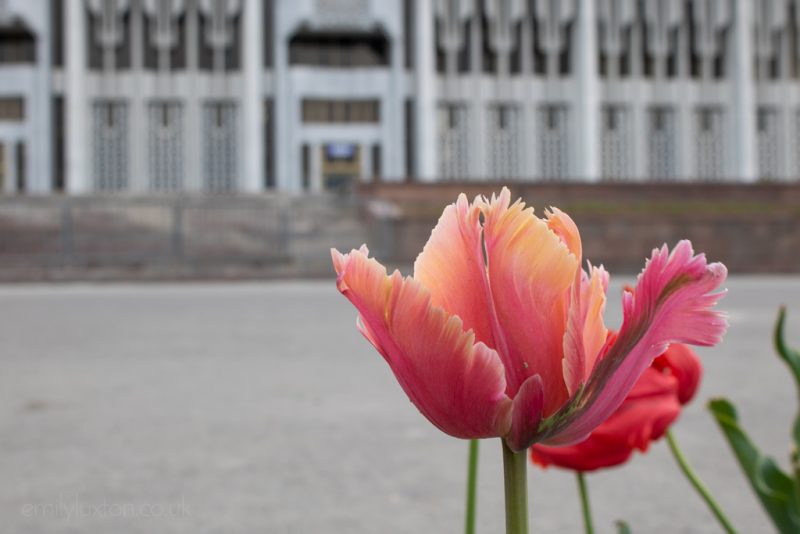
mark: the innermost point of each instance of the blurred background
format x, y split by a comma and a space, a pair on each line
201, 143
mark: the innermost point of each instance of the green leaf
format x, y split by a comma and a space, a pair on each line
623, 528
792, 359
774, 488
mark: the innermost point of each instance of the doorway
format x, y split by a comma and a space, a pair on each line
341, 166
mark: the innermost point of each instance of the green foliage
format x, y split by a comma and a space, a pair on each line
623, 528
778, 491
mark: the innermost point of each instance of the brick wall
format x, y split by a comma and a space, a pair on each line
751, 228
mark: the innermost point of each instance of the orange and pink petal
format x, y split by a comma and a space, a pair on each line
530, 273
672, 303
457, 383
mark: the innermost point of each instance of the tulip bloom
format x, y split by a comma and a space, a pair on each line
647, 412
499, 333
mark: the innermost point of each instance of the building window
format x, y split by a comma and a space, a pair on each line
164, 40
504, 141
770, 147
220, 153
12, 109
110, 135
166, 145
552, 141
454, 130
709, 143
410, 126
3, 172
22, 179
17, 44
615, 143
220, 39
341, 111
661, 143
319, 49
57, 32
269, 144
59, 162
376, 161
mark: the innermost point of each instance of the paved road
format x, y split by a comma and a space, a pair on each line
259, 408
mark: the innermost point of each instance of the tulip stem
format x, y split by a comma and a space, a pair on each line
472, 486
516, 485
585, 508
698, 484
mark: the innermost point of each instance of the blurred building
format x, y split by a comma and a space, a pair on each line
251, 95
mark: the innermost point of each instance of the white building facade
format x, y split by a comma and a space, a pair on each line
305, 95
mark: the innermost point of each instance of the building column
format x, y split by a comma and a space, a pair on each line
288, 168
315, 184
40, 160
425, 108
193, 150
587, 107
75, 105
743, 134
138, 127
252, 97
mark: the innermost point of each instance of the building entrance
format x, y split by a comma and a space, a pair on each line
341, 165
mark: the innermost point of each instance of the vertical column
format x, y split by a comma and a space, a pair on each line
315, 167
252, 97
744, 142
392, 137
476, 135
76, 110
137, 134
425, 123
685, 126
193, 180
287, 154
588, 93
365, 152
40, 167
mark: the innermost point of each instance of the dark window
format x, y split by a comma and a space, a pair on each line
12, 109
565, 59
269, 32
376, 161
177, 53
410, 124
58, 143
231, 57
409, 34
17, 44
305, 162
57, 32
22, 180
269, 145
339, 50
341, 111
122, 52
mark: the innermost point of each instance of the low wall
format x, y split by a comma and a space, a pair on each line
751, 228
118, 237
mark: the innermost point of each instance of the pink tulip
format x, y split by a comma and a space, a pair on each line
500, 332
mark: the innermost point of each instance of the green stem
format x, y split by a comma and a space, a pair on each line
514, 474
585, 508
698, 485
472, 486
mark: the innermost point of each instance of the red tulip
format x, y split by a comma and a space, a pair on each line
644, 416
500, 333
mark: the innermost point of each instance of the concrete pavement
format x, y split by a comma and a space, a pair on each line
260, 408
